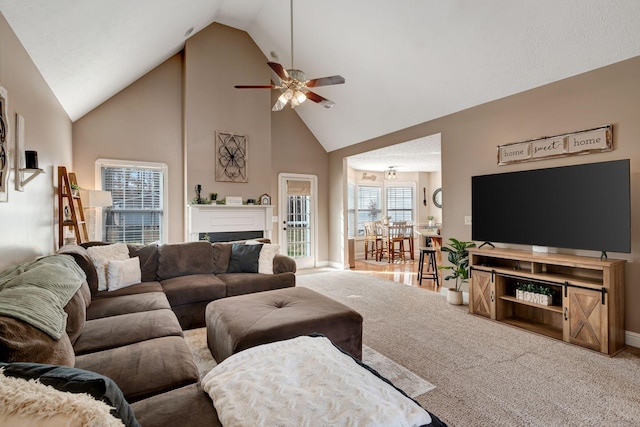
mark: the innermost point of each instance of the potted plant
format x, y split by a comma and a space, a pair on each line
430, 218
75, 190
458, 256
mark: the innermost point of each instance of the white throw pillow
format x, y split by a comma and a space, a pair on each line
121, 274
101, 255
267, 254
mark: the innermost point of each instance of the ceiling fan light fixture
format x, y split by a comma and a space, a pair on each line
390, 174
300, 97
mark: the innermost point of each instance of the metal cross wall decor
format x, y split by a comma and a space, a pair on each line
231, 157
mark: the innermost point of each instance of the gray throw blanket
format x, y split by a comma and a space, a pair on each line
37, 291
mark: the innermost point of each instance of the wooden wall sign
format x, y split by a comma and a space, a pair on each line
587, 141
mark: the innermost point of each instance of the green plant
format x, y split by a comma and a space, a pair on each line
75, 186
459, 258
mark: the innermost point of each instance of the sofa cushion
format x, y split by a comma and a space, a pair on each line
246, 283
140, 288
186, 406
101, 255
148, 255
125, 329
122, 274
193, 288
221, 257
180, 259
21, 342
76, 310
145, 368
244, 258
135, 303
74, 380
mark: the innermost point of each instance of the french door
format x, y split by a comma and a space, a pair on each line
297, 206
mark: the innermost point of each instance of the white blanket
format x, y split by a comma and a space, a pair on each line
305, 381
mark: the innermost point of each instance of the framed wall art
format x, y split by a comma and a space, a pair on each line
4, 147
231, 157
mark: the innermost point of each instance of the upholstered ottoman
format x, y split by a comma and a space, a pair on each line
237, 323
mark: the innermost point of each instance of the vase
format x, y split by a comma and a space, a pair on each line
454, 297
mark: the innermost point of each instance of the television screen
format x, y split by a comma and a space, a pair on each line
579, 207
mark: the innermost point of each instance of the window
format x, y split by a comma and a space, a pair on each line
369, 205
138, 190
351, 209
400, 203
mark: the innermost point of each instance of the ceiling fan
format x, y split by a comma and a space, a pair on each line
294, 84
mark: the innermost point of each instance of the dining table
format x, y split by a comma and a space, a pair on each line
404, 231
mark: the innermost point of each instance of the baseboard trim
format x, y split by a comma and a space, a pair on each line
632, 339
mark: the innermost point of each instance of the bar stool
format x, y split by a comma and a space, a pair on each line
432, 265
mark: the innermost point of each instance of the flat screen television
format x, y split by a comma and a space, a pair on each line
584, 206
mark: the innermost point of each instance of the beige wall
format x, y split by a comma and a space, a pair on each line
295, 150
27, 226
142, 123
216, 59
469, 140
195, 88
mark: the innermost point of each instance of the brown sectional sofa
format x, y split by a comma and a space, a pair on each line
134, 335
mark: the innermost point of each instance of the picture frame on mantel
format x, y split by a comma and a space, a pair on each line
265, 199
231, 157
5, 154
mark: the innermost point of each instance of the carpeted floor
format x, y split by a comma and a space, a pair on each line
487, 373
409, 382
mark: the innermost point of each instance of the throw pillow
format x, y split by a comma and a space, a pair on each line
267, 254
148, 255
101, 255
244, 258
121, 274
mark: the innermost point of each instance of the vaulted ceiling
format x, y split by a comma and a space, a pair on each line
405, 61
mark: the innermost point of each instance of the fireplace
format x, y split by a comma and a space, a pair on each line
224, 223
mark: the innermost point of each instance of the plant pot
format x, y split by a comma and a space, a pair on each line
454, 297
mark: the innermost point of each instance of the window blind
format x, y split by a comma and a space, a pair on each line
138, 205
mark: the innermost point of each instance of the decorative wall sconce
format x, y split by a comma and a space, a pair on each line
26, 161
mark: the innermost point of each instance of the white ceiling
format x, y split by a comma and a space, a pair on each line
418, 155
405, 61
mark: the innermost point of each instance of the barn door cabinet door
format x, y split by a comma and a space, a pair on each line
482, 294
586, 318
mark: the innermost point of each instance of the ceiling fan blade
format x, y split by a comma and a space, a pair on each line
325, 81
320, 100
279, 70
255, 87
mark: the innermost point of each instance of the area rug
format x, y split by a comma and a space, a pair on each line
404, 379
486, 373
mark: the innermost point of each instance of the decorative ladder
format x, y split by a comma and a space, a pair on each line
67, 198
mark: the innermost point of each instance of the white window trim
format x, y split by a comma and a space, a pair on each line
383, 198
100, 163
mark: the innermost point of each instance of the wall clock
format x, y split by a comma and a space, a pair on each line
437, 198
231, 157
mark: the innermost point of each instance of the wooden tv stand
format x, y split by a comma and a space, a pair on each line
588, 309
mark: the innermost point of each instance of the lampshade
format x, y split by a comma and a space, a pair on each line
96, 198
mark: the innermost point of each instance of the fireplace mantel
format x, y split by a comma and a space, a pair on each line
228, 219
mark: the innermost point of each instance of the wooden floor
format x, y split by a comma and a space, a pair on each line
400, 272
